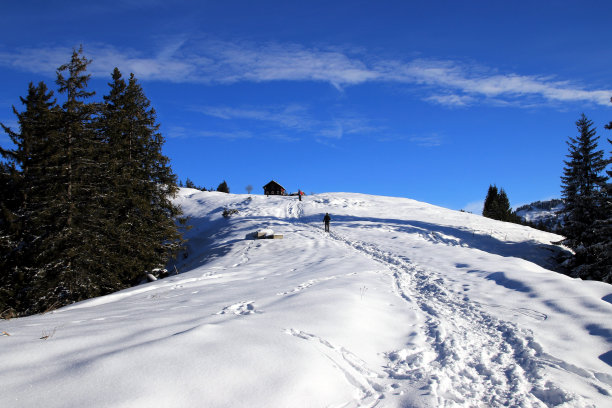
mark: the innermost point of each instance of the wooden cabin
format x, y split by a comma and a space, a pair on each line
273, 188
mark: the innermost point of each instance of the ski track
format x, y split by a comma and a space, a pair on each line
472, 358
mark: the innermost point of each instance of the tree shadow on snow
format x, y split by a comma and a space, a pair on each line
607, 358
501, 279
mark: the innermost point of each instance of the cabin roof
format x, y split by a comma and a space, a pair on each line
273, 184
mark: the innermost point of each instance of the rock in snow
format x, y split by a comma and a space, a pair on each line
402, 304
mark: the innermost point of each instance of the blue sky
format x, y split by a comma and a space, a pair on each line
427, 100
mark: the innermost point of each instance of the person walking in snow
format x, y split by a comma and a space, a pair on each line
326, 220
300, 195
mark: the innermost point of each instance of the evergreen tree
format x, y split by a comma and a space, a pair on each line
503, 206
76, 116
582, 183
75, 275
113, 128
142, 224
603, 226
29, 212
223, 187
490, 209
10, 205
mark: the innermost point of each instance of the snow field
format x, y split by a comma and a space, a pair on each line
403, 304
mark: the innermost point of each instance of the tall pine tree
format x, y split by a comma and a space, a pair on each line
29, 210
76, 276
603, 226
142, 223
582, 183
489, 209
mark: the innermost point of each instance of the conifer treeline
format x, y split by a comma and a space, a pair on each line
85, 202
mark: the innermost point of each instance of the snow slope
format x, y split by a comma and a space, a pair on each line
403, 304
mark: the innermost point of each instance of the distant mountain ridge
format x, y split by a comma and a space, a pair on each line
543, 213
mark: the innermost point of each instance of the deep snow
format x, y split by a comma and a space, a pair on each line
403, 304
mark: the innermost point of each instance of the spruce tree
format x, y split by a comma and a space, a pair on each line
75, 117
503, 207
159, 183
490, 209
603, 226
10, 206
142, 221
78, 275
223, 187
30, 212
582, 190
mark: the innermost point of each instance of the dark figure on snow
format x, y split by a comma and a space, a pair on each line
300, 195
326, 220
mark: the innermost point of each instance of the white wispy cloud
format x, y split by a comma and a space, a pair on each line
474, 82
433, 140
232, 62
294, 118
451, 99
358, 125
289, 116
205, 60
162, 66
180, 132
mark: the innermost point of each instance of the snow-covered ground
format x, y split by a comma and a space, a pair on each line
403, 304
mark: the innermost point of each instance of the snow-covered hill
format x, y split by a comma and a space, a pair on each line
403, 304
545, 213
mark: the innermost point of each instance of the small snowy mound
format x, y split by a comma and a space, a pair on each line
265, 232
